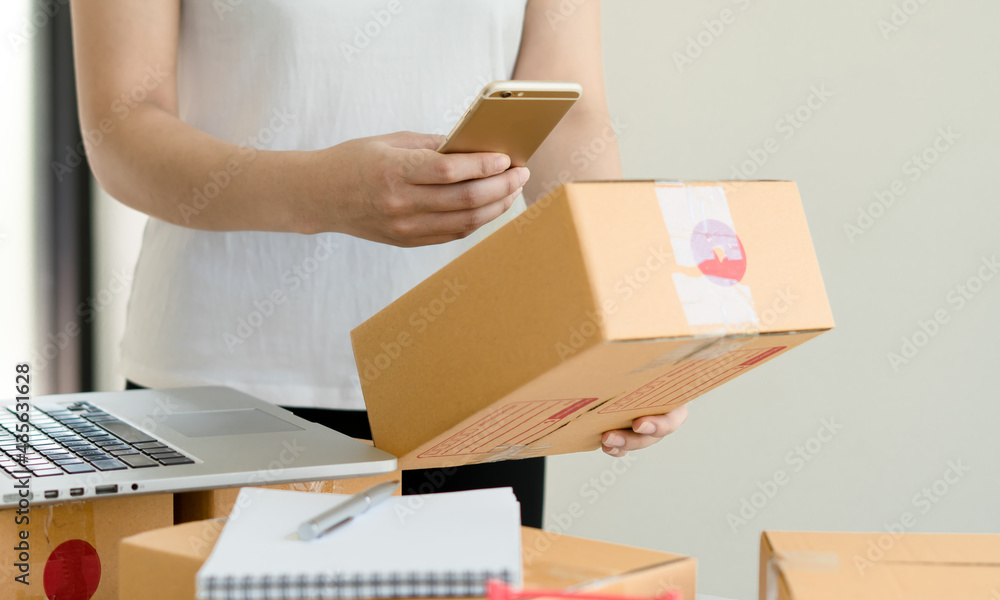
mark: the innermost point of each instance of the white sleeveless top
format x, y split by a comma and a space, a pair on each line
271, 313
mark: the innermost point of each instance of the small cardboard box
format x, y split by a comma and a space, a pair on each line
72, 547
162, 564
604, 302
879, 566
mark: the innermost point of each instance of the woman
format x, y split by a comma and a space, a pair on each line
274, 153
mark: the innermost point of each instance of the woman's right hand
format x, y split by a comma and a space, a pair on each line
397, 189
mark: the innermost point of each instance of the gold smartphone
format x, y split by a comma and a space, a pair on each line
512, 117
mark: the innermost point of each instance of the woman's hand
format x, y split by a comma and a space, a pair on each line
645, 432
396, 189
392, 188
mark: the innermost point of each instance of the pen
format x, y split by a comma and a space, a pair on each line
352, 507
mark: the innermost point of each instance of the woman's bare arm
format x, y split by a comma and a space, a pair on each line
394, 189
567, 47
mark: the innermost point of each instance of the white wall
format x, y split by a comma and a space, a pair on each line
117, 237
18, 262
900, 428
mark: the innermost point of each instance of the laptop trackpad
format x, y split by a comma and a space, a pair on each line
240, 421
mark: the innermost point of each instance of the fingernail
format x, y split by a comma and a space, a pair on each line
646, 428
615, 439
503, 162
612, 451
523, 174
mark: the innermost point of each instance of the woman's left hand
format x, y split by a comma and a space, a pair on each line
645, 432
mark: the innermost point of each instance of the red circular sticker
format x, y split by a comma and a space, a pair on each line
718, 252
72, 571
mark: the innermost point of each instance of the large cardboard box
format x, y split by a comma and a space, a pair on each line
162, 564
604, 302
72, 547
889, 565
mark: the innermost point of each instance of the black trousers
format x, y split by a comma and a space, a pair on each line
525, 476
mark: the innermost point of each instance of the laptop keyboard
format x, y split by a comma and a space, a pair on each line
79, 438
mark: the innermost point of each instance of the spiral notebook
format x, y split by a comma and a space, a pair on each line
447, 544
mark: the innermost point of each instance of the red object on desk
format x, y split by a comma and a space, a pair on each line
498, 590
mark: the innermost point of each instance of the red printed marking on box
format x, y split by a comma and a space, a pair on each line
510, 425
768, 353
691, 379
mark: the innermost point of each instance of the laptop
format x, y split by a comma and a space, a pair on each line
109, 444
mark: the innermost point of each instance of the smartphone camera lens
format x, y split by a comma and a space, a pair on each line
505, 94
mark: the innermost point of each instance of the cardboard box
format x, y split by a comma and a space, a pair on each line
211, 504
604, 302
73, 546
162, 564
878, 566
552, 560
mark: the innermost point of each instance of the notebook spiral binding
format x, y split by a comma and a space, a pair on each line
347, 587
